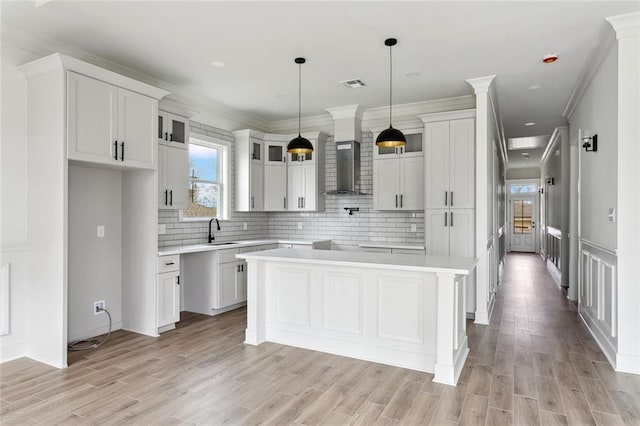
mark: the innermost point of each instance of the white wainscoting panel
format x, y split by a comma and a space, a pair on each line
343, 302
292, 296
598, 295
400, 308
5, 299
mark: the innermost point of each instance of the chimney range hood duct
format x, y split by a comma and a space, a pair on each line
347, 168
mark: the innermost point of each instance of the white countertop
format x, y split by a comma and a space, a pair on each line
391, 246
404, 262
194, 248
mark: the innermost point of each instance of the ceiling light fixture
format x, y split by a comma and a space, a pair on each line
531, 123
551, 58
299, 145
535, 86
390, 137
414, 74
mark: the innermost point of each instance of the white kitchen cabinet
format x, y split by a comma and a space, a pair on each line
398, 183
275, 187
173, 129
232, 287
110, 125
168, 292
450, 232
173, 177
302, 188
249, 170
450, 162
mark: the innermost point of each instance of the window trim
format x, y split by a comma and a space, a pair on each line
224, 164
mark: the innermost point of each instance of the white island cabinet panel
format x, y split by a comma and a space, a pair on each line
400, 310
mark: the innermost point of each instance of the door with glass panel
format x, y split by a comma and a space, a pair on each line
523, 211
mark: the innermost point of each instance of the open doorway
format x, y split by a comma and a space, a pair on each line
523, 215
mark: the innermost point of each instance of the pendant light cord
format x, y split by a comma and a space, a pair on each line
390, 82
299, 95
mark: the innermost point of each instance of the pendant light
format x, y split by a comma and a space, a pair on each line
299, 145
390, 138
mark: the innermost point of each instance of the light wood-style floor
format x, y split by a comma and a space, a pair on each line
535, 364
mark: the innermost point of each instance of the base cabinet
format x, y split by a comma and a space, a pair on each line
232, 288
168, 293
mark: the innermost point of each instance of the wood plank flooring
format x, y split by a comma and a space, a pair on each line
535, 364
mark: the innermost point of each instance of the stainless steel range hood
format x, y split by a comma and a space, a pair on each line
347, 168
347, 129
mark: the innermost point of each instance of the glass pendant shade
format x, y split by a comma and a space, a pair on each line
299, 145
390, 138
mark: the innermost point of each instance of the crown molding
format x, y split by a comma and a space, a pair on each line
322, 122
626, 26
198, 103
555, 138
448, 115
589, 70
481, 84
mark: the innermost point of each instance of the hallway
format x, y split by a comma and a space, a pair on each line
534, 365
540, 360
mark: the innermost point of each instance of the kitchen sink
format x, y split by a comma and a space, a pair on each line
223, 243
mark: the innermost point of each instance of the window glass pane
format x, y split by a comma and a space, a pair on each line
203, 200
203, 162
256, 151
414, 142
522, 216
160, 127
177, 131
520, 188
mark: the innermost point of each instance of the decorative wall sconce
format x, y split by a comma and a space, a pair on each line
589, 143
550, 181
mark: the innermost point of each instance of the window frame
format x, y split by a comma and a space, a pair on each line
224, 184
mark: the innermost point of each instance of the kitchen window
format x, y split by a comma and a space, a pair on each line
208, 180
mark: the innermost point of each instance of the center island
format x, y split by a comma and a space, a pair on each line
397, 309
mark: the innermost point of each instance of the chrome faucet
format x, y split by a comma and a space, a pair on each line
211, 237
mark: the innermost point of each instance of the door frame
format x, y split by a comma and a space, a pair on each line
536, 210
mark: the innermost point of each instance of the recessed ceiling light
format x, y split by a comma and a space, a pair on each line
218, 64
550, 58
531, 123
414, 74
535, 86
525, 154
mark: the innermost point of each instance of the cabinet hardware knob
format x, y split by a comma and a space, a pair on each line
171, 137
446, 196
169, 263
400, 200
178, 279
122, 151
166, 197
451, 221
396, 200
445, 218
115, 150
171, 197
166, 136
452, 198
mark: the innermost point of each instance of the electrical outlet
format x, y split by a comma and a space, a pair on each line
244, 226
299, 225
414, 227
100, 231
162, 229
98, 307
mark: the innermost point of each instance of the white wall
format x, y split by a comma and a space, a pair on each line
13, 199
523, 173
95, 269
597, 112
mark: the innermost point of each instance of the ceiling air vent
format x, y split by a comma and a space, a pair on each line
353, 83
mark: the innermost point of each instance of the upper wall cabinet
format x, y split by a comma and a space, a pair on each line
305, 177
249, 170
275, 175
398, 182
173, 129
110, 125
450, 162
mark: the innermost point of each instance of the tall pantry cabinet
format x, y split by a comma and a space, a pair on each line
450, 187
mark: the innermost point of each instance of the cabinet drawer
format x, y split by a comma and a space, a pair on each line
168, 263
228, 255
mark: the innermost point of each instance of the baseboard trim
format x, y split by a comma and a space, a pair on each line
626, 363
86, 334
12, 351
608, 350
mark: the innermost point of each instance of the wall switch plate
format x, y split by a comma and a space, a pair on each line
414, 227
100, 231
244, 226
162, 229
299, 225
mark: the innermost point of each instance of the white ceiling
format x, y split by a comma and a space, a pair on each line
446, 42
